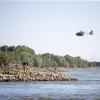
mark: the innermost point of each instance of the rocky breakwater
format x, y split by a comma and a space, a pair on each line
35, 76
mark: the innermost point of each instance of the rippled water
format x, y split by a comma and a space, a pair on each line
86, 88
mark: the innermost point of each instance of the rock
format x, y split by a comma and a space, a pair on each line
2, 77
35, 76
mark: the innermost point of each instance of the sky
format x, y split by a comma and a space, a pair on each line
50, 26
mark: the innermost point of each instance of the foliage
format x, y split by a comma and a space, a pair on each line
21, 54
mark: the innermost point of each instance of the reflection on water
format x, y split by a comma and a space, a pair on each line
86, 88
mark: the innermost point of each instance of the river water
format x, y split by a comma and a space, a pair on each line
86, 88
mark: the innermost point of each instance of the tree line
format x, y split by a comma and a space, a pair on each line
21, 54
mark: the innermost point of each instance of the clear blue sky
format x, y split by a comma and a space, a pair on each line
51, 26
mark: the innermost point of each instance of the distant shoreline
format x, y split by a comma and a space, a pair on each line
19, 55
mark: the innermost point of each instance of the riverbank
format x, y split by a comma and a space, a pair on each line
35, 75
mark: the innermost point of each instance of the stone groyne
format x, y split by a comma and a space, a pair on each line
35, 76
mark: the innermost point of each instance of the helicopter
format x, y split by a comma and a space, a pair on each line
82, 33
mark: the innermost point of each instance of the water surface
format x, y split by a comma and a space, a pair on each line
86, 88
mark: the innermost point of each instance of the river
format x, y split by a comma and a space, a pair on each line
86, 88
